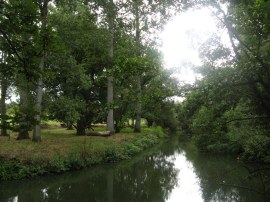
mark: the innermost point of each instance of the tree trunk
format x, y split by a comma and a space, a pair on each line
137, 128
69, 125
24, 124
43, 16
111, 16
36, 132
110, 118
132, 122
3, 107
117, 127
81, 126
149, 123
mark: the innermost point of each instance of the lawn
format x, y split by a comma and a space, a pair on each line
61, 150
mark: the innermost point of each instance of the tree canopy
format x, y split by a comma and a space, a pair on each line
228, 109
60, 56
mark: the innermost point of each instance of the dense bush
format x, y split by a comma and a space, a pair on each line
256, 148
221, 127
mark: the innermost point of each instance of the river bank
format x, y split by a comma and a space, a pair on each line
61, 151
170, 171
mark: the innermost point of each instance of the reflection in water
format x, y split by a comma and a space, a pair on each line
44, 194
13, 199
188, 188
220, 196
223, 178
171, 172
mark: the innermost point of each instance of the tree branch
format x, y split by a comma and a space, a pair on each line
11, 45
232, 31
242, 187
247, 118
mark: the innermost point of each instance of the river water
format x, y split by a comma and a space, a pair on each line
171, 172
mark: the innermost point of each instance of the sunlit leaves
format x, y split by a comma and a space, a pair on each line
228, 109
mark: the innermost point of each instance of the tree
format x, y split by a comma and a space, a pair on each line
7, 72
110, 18
80, 66
43, 7
62, 58
137, 127
4, 87
147, 16
19, 31
227, 111
158, 104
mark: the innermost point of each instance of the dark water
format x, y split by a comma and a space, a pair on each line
172, 171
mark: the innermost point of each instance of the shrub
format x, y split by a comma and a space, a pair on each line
75, 161
113, 154
58, 164
256, 148
14, 169
157, 131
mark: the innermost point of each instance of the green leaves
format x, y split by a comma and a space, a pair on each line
227, 111
67, 109
73, 39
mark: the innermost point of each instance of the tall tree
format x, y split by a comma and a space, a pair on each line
43, 8
80, 82
4, 86
19, 31
111, 18
149, 17
7, 72
137, 127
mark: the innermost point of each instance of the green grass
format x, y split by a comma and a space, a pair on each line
61, 150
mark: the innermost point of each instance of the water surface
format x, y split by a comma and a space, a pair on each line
170, 172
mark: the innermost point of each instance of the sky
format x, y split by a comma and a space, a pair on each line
182, 37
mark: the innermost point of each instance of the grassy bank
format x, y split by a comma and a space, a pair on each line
60, 151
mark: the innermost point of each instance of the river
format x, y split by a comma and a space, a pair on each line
171, 172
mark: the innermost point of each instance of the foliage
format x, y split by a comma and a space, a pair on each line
72, 38
256, 149
227, 110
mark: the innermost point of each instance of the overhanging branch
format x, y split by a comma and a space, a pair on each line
247, 118
11, 45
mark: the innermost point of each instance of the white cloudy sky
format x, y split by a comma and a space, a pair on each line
182, 38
